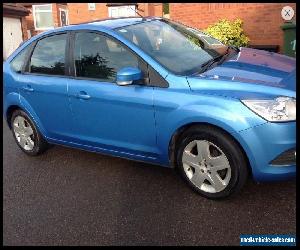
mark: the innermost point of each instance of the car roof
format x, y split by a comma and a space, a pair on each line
112, 23
102, 24
107, 24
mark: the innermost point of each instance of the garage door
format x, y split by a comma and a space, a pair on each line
12, 35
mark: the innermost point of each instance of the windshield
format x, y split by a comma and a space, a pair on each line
210, 40
180, 49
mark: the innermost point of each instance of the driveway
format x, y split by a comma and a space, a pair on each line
72, 197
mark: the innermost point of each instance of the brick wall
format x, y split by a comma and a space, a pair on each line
78, 12
262, 21
155, 9
30, 23
24, 28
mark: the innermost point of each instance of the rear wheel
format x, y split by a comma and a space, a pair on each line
26, 134
211, 162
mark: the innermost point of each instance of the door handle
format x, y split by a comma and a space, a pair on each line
28, 88
83, 95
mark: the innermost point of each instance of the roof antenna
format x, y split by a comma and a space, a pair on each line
138, 13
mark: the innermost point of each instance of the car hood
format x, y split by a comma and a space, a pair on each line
250, 73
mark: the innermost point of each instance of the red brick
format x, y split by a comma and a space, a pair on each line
262, 21
78, 13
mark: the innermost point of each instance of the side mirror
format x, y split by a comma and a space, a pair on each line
126, 76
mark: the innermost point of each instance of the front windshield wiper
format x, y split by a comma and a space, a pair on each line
220, 59
210, 62
234, 48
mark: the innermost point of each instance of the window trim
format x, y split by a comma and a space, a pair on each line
30, 53
34, 11
91, 8
111, 8
163, 82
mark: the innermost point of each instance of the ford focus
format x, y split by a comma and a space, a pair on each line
156, 91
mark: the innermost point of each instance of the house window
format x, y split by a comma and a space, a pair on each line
122, 11
91, 6
42, 16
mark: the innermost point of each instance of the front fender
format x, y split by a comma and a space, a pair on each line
226, 113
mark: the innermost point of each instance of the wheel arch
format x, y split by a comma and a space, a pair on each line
23, 105
179, 131
10, 110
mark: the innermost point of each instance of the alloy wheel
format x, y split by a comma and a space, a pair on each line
23, 133
206, 166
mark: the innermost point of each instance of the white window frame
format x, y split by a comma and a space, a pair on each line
67, 16
28, 34
91, 6
112, 8
34, 18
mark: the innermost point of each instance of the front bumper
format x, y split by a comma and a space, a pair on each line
265, 144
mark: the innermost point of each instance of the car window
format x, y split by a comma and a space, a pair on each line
17, 63
97, 56
114, 47
172, 45
210, 40
48, 56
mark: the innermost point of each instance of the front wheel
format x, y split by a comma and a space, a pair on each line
211, 162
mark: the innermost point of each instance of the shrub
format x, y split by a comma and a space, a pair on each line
229, 33
166, 8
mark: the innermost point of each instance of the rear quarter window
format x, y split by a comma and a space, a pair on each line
48, 56
17, 63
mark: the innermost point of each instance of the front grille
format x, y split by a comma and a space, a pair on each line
286, 158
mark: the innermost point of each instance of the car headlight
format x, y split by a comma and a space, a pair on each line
281, 109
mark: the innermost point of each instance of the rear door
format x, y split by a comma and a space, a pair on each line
43, 86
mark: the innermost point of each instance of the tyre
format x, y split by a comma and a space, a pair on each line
211, 162
26, 134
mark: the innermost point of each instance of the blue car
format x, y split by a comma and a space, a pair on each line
153, 90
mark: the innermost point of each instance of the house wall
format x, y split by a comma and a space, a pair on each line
262, 21
78, 12
24, 28
155, 9
30, 23
55, 15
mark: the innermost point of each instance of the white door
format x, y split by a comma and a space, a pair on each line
122, 11
12, 35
